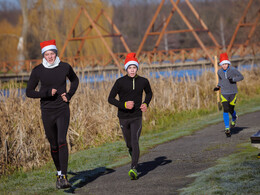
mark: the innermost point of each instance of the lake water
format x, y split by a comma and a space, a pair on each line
158, 74
192, 73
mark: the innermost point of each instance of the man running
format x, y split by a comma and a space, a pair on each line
130, 89
52, 75
228, 77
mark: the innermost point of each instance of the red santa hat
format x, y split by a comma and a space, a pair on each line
47, 45
223, 59
131, 60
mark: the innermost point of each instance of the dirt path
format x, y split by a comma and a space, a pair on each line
164, 169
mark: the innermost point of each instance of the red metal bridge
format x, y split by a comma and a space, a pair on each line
174, 57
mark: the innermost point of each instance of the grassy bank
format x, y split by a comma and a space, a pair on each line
178, 108
236, 174
86, 165
94, 122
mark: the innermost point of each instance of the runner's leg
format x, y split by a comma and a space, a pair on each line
225, 114
124, 124
232, 107
52, 134
136, 127
62, 125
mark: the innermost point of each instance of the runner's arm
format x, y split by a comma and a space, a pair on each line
112, 97
219, 80
238, 76
148, 93
74, 80
31, 86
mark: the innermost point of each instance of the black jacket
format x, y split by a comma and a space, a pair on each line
130, 89
49, 79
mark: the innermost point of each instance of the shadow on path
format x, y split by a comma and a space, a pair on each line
82, 178
146, 167
236, 130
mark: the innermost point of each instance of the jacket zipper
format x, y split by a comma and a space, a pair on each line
133, 83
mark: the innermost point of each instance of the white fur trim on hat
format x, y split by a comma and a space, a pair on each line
48, 48
225, 62
131, 63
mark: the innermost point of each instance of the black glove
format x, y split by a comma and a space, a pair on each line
216, 89
231, 80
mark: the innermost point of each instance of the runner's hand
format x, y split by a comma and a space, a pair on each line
129, 105
143, 107
216, 89
53, 92
231, 80
64, 97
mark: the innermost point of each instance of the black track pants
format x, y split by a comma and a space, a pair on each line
131, 129
56, 123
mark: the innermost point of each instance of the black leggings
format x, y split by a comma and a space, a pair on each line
56, 123
229, 102
228, 108
131, 129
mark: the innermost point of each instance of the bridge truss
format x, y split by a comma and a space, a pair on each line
148, 58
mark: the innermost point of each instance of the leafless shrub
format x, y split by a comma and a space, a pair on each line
93, 120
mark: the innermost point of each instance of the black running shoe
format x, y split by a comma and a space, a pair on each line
227, 132
233, 123
64, 182
58, 183
133, 174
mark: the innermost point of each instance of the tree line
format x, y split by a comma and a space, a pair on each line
38, 20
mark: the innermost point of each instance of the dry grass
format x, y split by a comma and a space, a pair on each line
93, 120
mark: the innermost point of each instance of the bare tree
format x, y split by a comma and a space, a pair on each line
22, 54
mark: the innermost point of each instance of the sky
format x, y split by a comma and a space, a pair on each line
13, 2
115, 2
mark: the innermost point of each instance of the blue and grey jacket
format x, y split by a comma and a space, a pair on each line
228, 79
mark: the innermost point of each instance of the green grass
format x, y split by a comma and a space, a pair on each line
168, 120
238, 173
85, 165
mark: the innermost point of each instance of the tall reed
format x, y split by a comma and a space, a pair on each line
93, 121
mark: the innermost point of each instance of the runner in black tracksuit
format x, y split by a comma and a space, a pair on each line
130, 89
52, 74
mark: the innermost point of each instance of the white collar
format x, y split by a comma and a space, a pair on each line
53, 65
